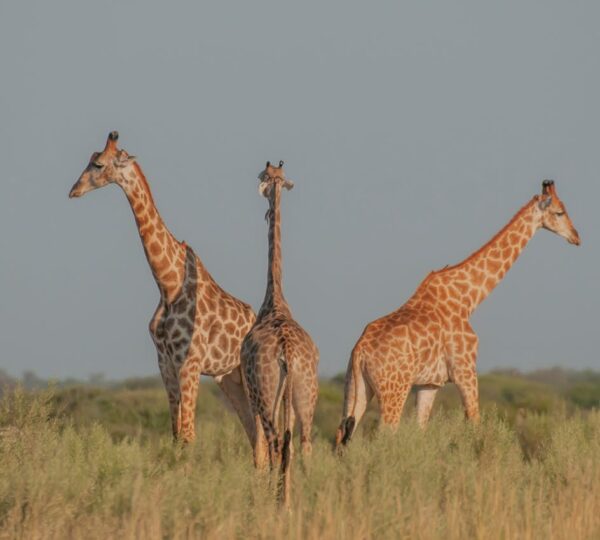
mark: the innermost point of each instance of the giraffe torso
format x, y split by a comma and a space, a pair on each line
428, 339
203, 320
407, 343
421, 341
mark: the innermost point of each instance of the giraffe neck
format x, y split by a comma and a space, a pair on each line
274, 296
166, 256
471, 281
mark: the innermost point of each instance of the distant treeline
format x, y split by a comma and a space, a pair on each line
537, 390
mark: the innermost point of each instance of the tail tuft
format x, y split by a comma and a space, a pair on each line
348, 429
285, 451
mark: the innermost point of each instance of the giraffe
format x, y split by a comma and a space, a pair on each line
279, 359
428, 341
197, 327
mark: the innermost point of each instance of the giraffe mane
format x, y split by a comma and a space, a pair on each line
144, 182
449, 268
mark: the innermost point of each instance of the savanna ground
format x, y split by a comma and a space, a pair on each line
85, 461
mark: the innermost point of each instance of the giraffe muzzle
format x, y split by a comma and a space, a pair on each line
574, 238
81, 187
75, 191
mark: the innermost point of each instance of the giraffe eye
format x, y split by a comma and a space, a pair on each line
97, 165
558, 214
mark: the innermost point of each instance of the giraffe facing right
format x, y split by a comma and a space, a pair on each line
279, 359
429, 341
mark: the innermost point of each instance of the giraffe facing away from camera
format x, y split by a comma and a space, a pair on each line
279, 359
197, 328
429, 341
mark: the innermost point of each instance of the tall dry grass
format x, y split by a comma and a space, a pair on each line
454, 480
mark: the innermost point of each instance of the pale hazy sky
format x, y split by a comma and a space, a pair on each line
413, 132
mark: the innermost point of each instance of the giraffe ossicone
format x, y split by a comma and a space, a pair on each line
197, 327
428, 341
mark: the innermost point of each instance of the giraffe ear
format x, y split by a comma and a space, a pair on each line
288, 184
262, 187
544, 203
123, 159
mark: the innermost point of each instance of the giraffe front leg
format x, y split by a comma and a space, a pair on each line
169, 377
189, 381
465, 379
464, 374
167, 369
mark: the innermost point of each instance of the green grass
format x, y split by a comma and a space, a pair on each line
99, 463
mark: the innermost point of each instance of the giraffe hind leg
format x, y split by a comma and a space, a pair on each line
271, 425
466, 381
392, 403
284, 488
304, 403
291, 427
266, 444
231, 385
261, 450
274, 444
425, 398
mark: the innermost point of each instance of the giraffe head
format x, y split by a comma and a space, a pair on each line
273, 176
106, 167
554, 215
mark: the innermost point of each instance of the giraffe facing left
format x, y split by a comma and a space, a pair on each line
197, 327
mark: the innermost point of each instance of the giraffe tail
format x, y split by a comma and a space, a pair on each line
346, 429
285, 471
